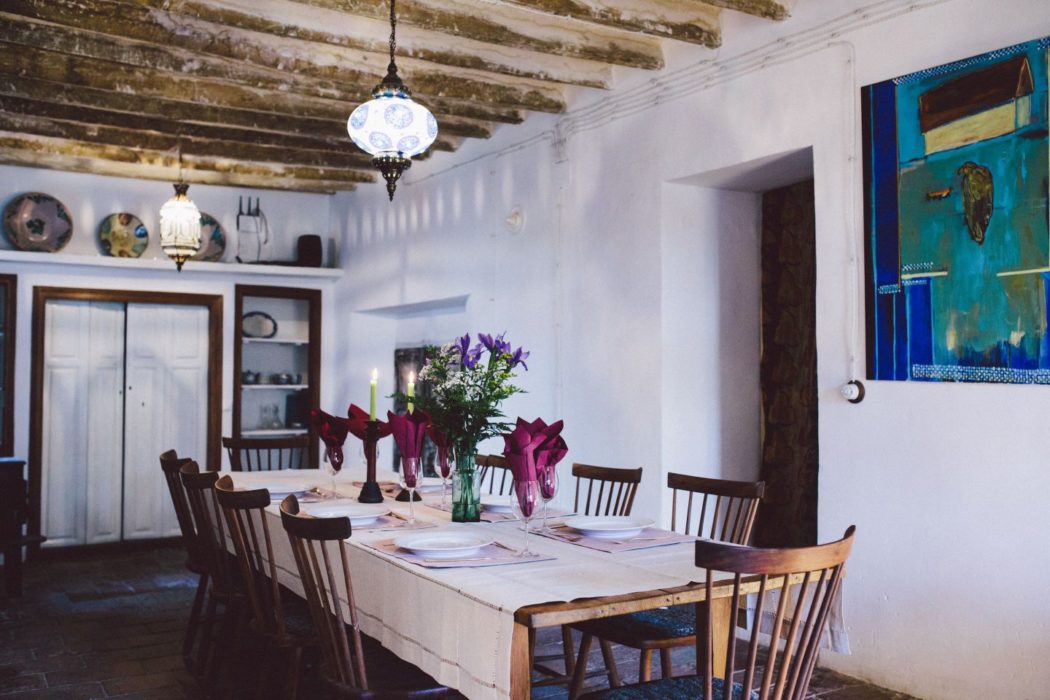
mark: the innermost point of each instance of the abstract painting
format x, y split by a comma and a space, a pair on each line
958, 222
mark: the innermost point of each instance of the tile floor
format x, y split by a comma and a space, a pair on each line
110, 624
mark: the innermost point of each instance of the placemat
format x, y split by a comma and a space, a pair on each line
494, 554
649, 537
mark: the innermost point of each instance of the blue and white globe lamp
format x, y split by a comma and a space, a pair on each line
392, 127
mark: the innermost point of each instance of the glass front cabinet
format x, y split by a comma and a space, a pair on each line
277, 362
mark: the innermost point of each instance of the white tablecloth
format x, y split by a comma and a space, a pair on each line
456, 624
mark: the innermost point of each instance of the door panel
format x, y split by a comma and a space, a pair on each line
167, 373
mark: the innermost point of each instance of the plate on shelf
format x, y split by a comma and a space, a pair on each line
36, 221
258, 324
123, 235
213, 240
616, 526
442, 545
495, 503
360, 514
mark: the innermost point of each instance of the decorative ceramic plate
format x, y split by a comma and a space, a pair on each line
495, 503
360, 514
258, 324
213, 240
37, 221
442, 545
123, 236
610, 525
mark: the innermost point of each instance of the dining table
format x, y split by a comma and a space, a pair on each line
471, 624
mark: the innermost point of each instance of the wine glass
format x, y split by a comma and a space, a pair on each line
333, 462
409, 480
548, 478
527, 495
444, 470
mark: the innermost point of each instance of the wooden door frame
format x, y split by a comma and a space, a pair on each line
7, 442
42, 295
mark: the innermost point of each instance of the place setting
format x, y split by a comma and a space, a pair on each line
613, 533
375, 517
448, 548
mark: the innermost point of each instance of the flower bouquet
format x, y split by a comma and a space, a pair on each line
467, 385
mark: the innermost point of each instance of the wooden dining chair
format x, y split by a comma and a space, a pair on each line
778, 658
715, 509
268, 454
605, 490
285, 633
170, 464
496, 477
223, 587
599, 491
352, 665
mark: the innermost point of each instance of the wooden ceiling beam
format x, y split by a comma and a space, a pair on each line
498, 24
693, 22
241, 55
145, 69
770, 9
416, 49
79, 156
188, 113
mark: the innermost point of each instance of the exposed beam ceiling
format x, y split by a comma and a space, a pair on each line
256, 93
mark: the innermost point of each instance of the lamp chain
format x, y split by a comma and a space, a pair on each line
393, 41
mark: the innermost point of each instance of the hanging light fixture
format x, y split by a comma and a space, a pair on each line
180, 224
391, 127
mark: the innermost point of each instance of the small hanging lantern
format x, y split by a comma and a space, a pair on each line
391, 127
180, 224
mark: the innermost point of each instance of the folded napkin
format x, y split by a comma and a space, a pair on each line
532, 447
408, 431
332, 430
440, 441
358, 423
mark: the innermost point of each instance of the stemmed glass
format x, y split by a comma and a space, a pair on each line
548, 478
333, 462
527, 495
444, 470
409, 480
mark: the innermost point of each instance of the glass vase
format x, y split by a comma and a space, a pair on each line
466, 490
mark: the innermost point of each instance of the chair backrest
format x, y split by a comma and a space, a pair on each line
170, 463
808, 579
324, 584
496, 477
268, 454
208, 525
249, 529
716, 509
615, 489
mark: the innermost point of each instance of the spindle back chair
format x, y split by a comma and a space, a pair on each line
268, 454
496, 477
715, 509
605, 490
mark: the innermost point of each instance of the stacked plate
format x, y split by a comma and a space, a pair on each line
360, 514
609, 526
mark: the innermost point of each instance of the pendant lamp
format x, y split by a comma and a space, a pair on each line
391, 127
180, 224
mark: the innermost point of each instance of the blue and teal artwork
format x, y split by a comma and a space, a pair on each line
958, 221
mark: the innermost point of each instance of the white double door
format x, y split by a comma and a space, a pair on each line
122, 383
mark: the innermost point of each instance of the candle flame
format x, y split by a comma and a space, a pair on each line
375, 375
411, 377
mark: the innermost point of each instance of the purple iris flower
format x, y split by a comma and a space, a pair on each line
487, 341
502, 346
471, 357
461, 346
497, 345
518, 358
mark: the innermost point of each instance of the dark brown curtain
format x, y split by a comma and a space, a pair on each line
788, 515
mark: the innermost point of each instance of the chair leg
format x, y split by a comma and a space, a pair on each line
610, 663
296, 662
645, 666
566, 643
225, 640
580, 672
194, 622
205, 648
665, 663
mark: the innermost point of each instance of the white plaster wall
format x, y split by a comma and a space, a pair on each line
90, 198
947, 590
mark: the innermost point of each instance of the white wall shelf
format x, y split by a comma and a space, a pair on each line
190, 268
429, 307
273, 432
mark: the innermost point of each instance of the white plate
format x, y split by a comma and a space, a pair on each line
497, 504
442, 545
279, 491
359, 513
609, 525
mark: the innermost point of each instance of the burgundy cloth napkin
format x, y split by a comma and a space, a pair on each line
440, 442
358, 423
332, 430
408, 431
531, 446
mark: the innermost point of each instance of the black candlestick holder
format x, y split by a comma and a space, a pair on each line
370, 491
